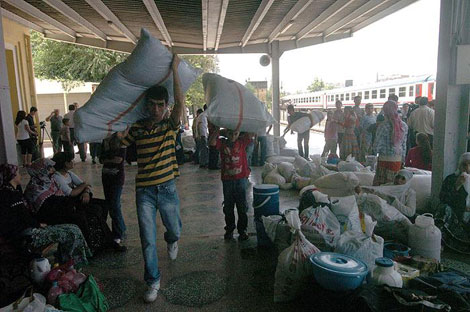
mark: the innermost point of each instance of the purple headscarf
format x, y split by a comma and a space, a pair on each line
7, 173
390, 109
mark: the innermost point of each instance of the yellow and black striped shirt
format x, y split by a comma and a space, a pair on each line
156, 157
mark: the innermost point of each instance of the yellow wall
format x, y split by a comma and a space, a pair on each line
18, 36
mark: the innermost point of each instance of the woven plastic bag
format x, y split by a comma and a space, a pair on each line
304, 124
232, 106
322, 221
119, 99
293, 266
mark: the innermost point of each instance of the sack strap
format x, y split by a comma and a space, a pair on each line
133, 105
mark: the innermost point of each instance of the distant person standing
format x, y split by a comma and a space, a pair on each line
359, 115
203, 135
56, 123
23, 136
420, 156
338, 116
404, 112
301, 137
196, 136
368, 120
331, 135
349, 144
34, 134
71, 124
422, 119
66, 138
389, 144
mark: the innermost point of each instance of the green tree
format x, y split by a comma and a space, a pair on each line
319, 85
74, 64
71, 64
250, 87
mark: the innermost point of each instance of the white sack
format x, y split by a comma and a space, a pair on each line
287, 170
286, 186
289, 152
232, 106
274, 178
337, 184
267, 168
350, 165
299, 182
188, 142
111, 108
322, 221
422, 186
365, 178
347, 213
361, 246
293, 267
303, 167
279, 159
270, 224
303, 124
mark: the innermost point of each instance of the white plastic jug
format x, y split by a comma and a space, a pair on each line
385, 273
424, 237
40, 267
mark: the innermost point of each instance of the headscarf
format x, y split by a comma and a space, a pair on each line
390, 109
7, 173
406, 174
463, 157
41, 186
466, 185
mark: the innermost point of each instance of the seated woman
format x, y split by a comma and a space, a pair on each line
18, 225
454, 213
420, 156
49, 205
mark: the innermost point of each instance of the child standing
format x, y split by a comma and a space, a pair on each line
331, 135
65, 139
235, 173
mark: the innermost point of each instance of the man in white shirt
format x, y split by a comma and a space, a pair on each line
422, 119
81, 146
202, 138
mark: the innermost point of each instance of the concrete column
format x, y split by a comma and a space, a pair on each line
275, 55
7, 133
452, 107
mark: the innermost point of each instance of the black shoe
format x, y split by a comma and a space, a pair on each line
228, 235
118, 248
243, 236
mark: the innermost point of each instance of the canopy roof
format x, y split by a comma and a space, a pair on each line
200, 26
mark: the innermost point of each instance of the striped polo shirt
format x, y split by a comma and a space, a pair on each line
156, 157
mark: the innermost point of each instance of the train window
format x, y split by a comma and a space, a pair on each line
383, 93
366, 95
402, 91
412, 91
347, 96
337, 97
374, 94
391, 91
342, 97
353, 95
359, 94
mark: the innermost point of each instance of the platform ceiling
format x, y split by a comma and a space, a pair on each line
200, 26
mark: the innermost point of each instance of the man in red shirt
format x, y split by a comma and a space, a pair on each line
234, 174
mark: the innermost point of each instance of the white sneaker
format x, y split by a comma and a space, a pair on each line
151, 293
172, 250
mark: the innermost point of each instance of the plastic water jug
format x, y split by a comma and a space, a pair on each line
40, 267
385, 273
424, 237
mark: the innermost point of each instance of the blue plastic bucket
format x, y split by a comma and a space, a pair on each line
265, 200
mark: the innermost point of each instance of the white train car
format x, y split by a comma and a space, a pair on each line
377, 93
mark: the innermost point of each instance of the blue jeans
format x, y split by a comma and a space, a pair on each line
112, 194
203, 151
148, 199
235, 193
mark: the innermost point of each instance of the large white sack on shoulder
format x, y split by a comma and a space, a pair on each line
338, 184
279, 159
119, 99
303, 124
422, 186
347, 212
287, 170
232, 106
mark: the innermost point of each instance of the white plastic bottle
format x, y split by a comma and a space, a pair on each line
385, 273
424, 237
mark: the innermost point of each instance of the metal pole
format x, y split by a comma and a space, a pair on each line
452, 107
7, 133
275, 55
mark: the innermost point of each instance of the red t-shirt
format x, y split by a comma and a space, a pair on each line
234, 162
415, 159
